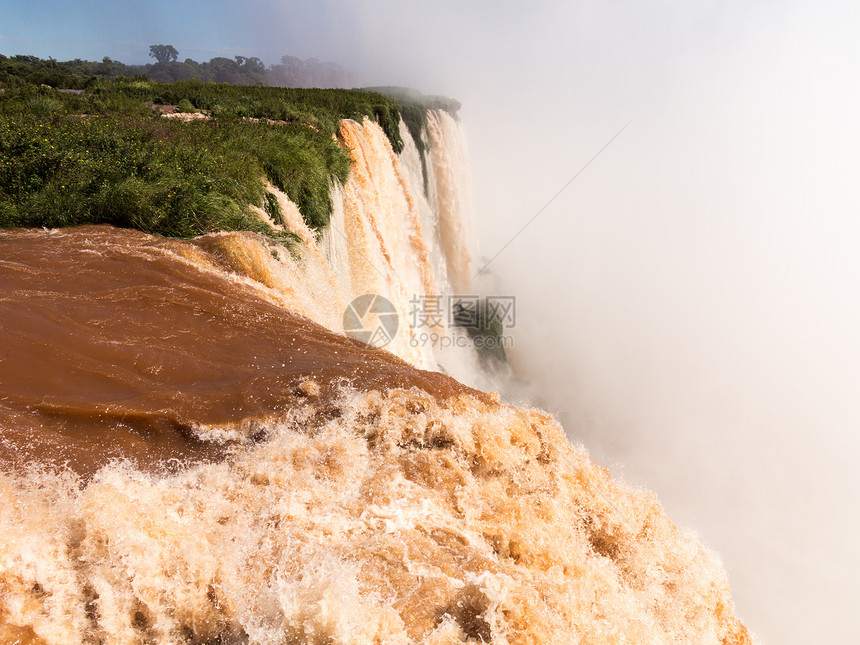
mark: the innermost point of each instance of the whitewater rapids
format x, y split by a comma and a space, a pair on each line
192, 453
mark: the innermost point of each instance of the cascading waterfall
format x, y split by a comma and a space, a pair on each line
387, 236
187, 460
451, 197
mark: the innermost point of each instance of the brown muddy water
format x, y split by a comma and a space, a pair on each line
113, 343
283, 484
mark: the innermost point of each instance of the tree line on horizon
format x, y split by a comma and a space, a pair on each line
240, 70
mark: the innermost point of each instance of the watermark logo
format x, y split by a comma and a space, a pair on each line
481, 313
484, 319
371, 319
470, 312
480, 322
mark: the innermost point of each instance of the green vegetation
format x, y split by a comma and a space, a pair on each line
414, 106
273, 209
185, 106
484, 322
239, 70
106, 156
80, 149
319, 109
413, 111
163, 53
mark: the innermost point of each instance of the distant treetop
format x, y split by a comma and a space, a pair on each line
240, 70
163, 53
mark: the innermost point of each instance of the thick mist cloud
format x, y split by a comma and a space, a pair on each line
689, 304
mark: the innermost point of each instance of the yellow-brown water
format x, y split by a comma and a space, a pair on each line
113, 344
187, 457
400, 507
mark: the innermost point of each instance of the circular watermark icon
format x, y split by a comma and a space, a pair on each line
371, 319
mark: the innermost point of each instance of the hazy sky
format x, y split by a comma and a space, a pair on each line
199, 30
689, 305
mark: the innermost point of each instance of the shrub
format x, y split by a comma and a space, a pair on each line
185, 106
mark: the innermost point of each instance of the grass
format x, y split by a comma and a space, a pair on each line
106, 156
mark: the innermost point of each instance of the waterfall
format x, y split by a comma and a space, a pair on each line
190, 455
392, 232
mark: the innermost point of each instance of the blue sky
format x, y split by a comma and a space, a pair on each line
449, 45
198, 29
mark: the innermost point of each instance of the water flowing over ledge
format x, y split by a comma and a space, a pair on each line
116, 344
400, 519
284, 484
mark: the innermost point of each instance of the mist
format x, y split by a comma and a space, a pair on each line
688, 305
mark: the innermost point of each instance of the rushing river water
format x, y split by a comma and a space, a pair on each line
190, 452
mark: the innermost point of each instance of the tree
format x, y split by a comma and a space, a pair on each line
163, 53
